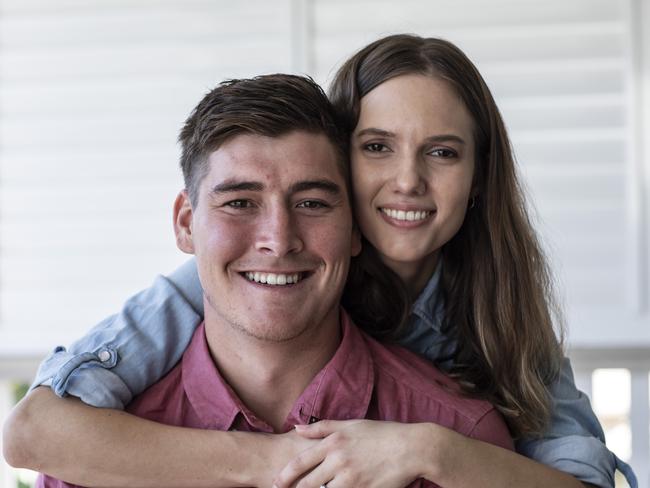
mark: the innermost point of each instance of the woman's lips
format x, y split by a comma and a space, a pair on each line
406, 215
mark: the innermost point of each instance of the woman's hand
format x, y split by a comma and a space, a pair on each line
364, 453
378, 454
273, 452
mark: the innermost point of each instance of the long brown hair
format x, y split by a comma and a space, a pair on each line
496, 285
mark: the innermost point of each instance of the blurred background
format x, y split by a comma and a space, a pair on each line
93, 93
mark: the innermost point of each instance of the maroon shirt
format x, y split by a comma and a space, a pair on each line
364, 379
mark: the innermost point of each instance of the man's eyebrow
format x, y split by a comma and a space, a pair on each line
324, 185
229, 186
373, 131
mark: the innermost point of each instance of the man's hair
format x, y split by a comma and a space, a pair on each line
268, 105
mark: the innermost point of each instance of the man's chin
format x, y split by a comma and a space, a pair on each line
271, 336
271, 330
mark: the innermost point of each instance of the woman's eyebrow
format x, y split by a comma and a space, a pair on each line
373, 131
446, 138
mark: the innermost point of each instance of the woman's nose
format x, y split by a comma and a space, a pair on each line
408, 177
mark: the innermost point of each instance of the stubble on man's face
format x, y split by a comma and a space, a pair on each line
273, 235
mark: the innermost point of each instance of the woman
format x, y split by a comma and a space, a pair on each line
446, 229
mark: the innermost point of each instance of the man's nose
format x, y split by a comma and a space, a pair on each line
278, 233
409, 178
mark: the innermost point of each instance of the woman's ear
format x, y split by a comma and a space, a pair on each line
183, 222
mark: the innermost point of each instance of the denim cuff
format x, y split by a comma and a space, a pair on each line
585, 458
86, 376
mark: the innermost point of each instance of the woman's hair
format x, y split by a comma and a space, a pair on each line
496, 285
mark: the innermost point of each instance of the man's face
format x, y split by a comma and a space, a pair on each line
272, 233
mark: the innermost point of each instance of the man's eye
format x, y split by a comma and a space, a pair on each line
441, 152
312, 204
238, 204
376, 147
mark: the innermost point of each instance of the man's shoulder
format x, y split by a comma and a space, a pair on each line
157, 402
421, 392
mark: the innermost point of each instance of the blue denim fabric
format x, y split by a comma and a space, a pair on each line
144, 341
127, 352
575, 442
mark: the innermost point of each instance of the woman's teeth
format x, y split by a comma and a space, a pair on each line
409, 215
273, 278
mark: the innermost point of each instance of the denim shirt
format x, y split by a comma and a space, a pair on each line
124, 354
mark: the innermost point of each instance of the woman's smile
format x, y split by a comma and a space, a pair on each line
406, 218
412, 168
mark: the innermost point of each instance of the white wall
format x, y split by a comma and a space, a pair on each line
92, 94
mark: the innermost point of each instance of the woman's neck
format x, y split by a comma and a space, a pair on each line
414, 274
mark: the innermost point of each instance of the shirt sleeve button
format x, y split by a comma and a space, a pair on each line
104, 356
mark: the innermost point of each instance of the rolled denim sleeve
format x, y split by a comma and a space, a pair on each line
126, 353
574, 441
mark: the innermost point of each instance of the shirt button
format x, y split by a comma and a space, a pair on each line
104, 356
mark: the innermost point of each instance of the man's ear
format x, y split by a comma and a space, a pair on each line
183, 222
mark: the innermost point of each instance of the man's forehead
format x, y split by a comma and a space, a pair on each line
286, 160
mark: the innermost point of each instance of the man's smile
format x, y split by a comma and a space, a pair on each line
274, 279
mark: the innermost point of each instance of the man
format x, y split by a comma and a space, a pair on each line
266, 212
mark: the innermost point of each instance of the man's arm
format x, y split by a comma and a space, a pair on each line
102, 447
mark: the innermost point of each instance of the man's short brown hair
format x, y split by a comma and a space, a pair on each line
268, 105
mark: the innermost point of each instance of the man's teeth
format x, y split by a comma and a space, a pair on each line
273, 278
410, 215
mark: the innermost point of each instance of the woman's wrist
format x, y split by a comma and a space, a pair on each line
439, 448
259, 464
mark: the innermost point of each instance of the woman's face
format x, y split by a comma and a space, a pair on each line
412, 158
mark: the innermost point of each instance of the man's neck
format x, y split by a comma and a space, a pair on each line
268, 376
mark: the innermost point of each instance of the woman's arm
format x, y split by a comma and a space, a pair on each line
574, 441
386, 454
101, 447
457, 461
127, 352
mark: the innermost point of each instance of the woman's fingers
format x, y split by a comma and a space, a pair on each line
320, 476
305, 462
333, 472
323, 428
352, 453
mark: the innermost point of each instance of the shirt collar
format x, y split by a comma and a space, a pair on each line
343, 388
429, 304
340, 391
214, 401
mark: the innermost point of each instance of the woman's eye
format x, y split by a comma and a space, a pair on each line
375, 147
442, 152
